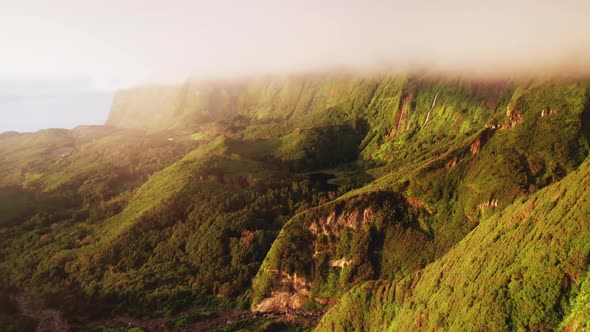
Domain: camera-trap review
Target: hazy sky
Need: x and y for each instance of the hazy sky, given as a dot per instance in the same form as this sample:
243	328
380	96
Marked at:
32	104
122	42
116	43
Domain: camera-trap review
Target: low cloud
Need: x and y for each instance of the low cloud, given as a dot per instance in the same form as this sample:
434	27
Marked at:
119	43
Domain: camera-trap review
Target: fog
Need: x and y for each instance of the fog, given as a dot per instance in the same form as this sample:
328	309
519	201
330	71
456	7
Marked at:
122	43
60	60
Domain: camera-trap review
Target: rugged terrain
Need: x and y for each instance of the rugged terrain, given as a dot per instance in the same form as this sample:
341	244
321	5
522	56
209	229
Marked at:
395	202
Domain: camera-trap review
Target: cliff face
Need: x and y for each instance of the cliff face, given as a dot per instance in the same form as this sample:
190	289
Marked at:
385	106
458	164
187	105
457	151
288	192
523	269
151	107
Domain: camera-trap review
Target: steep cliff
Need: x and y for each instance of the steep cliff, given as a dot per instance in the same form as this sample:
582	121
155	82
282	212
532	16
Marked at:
453	183
526	268
298	193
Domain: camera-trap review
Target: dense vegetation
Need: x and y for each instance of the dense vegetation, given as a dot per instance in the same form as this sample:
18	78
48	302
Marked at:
533	257
392	194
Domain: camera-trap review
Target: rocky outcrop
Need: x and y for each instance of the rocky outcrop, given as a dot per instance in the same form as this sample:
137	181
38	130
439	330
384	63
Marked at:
342	262
281	301
334	222
475	147
492	203
416	202
481	141
452	162
402	116
514	117
291	292
548	112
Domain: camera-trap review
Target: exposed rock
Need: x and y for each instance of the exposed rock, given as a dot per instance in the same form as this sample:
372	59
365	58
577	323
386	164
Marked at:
453	162
333	223
548	112
281	301
481	141
514	117
401	117
247	237
323	300
415	202
475	147
294	293
492	203
342	262
316	253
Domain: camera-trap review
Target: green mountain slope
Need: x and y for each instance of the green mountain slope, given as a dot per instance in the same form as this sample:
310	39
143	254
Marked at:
438	199
523	269
305	192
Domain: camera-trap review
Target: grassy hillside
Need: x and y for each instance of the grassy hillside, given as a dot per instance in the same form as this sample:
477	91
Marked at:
435	200
525	268
306	192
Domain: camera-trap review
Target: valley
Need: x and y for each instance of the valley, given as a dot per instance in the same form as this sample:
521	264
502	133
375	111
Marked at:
328	202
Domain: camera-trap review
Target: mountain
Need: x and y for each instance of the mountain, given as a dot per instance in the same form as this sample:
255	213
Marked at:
533	256
397	202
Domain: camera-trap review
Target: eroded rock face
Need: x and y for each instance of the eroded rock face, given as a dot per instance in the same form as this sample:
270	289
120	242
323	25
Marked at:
548	112
492	203
514	117
402	116
481	141
281	301
475	147
292	293
415	202
342	262
333	223
452	162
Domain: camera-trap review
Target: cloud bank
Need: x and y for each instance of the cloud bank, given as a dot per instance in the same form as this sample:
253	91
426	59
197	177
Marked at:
121	43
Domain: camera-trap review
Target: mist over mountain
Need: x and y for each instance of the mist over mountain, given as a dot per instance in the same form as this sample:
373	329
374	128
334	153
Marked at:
167	41
163	42
331	201
294	166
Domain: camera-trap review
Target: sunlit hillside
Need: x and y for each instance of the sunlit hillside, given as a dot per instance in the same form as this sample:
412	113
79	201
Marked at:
332	201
